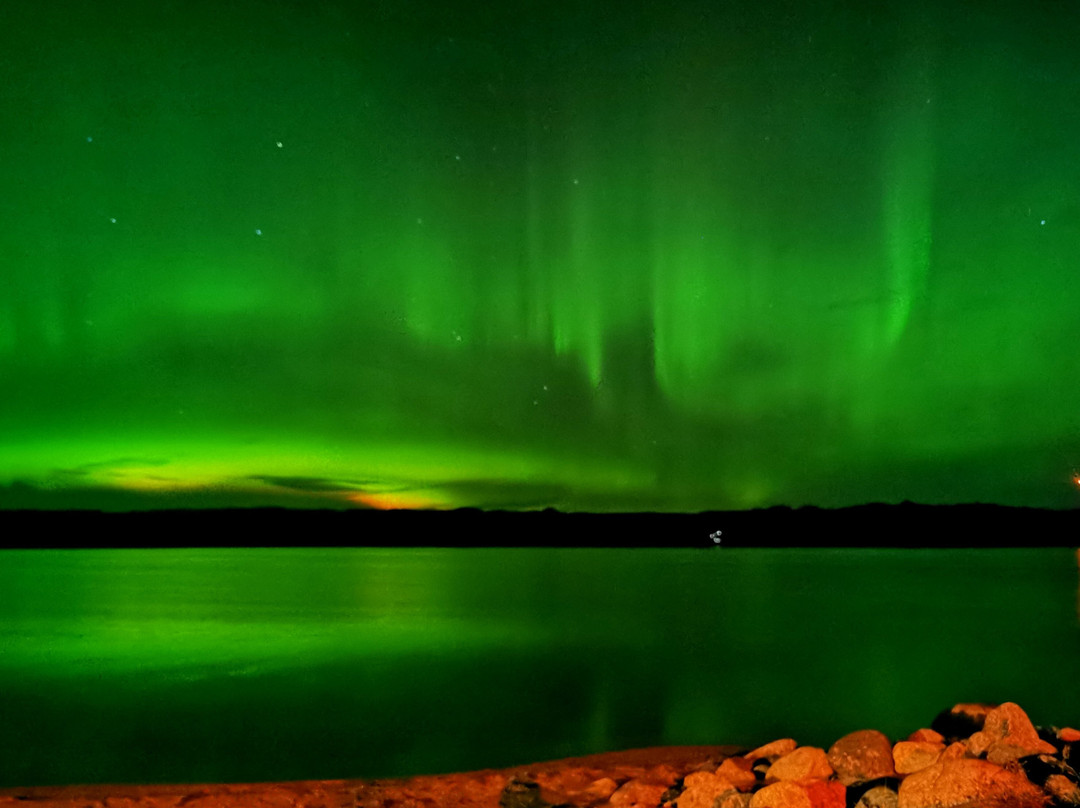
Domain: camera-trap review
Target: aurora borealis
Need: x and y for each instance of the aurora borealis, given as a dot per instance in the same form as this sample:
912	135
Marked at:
588	255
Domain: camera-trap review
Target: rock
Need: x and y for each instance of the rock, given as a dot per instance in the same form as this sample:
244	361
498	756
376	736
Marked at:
878	797
926	735
968	782
977	744
862	756
638	794
825	793
800	794
784	794
800	764
735	800
739	771
772	750
961	721
910	756
574	784
702	788
672	793
1064	790
1008	734
597	791
954	751
1068	734
855	792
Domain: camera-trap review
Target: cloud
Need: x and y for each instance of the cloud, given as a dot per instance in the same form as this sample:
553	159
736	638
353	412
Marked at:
310	484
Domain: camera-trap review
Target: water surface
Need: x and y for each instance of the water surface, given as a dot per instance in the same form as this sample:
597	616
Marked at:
271	664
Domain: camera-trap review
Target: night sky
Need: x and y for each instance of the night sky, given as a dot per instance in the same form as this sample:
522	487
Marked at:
604	256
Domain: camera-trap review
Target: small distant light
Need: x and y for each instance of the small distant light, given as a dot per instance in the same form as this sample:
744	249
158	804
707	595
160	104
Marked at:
258	232
279	144
113	220
89	140
1042	221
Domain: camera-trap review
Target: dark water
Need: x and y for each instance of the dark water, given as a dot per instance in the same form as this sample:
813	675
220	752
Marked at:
267	664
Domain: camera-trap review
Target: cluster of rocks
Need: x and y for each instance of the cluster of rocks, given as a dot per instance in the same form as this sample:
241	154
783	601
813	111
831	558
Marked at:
972	756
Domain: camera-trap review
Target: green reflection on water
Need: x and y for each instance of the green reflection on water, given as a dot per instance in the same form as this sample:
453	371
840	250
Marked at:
267	664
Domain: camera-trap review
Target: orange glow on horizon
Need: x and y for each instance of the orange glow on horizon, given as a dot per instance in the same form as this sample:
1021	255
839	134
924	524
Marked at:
393	501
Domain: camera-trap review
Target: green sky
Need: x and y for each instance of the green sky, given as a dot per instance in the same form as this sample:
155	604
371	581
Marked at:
591	255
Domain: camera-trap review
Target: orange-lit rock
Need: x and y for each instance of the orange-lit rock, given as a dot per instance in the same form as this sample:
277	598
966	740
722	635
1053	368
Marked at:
800	794
739	771
800	764
784	794
955	751
975	711
700	789
967	783
977	744
638	794
1003	752
825	793
735	800
596	791
878	797
772	750
926	735
1068	734
576	785
910	756
1063	789
1010	734
861	756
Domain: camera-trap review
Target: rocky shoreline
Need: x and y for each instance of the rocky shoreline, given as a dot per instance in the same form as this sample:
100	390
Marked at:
971	756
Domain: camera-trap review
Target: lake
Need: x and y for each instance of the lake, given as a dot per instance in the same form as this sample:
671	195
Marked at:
229	664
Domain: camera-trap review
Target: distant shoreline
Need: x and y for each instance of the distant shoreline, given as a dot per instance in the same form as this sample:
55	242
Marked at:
906	525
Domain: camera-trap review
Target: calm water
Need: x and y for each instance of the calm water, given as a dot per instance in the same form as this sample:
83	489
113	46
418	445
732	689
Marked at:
267	664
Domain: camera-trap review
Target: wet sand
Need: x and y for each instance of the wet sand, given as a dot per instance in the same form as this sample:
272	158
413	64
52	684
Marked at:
561	781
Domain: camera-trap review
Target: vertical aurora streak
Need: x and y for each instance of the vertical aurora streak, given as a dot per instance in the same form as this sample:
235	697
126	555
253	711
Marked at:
637	258
908	184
